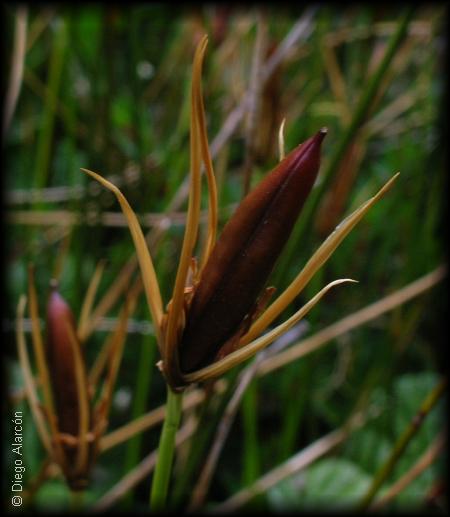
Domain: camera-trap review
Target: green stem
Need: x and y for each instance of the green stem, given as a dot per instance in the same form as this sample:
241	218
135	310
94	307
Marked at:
143	383
166	450
208	420
45	139
251	460
297	376
402	443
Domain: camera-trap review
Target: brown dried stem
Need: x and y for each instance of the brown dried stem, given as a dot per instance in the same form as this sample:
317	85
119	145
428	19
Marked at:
201	488
354	320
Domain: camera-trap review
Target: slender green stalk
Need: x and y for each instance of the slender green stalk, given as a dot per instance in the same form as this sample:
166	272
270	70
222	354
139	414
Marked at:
401	444
56	65
166	451
144	378
209	419
297	377
251	461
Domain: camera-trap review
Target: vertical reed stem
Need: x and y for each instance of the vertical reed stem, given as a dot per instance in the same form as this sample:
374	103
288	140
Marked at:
45	138
251	459
143	384
166	450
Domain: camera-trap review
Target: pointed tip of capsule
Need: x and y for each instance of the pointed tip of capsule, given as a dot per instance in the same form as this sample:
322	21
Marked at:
56	304
54	284
312	145
322	133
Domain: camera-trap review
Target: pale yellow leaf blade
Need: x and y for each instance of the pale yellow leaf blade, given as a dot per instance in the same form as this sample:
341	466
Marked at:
101	361
322	254
116	352
242	354
83	399
114	291
148	273
29	383
199	112
38	346
193	217
88	302
281	151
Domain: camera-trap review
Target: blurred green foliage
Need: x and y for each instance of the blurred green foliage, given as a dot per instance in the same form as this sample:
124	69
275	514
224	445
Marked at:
340	482
107	88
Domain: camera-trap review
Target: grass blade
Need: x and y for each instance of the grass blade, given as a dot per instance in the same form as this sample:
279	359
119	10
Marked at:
88	302
30	388
149	279
313	265
38	344
220	367
192	222
83	398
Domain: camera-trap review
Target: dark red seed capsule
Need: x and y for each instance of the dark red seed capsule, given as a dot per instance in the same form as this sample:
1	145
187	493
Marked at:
245	254
62	363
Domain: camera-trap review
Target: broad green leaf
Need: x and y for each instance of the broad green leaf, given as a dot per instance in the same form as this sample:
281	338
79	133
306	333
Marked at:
368	449
330	483
370	446
52	496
